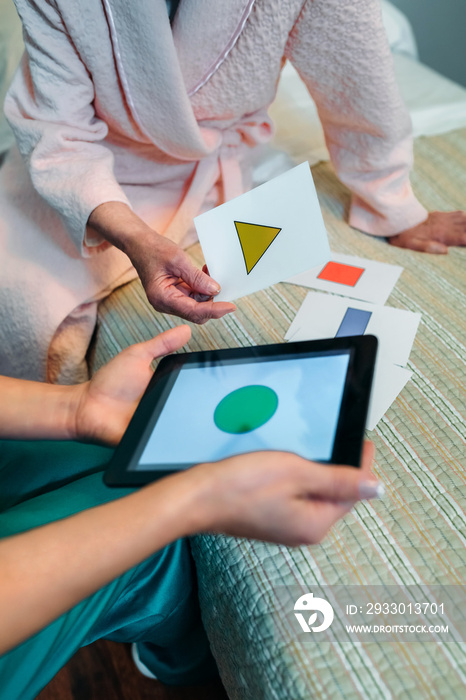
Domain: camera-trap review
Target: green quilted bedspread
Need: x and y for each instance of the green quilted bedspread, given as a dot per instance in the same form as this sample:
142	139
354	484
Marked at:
415	535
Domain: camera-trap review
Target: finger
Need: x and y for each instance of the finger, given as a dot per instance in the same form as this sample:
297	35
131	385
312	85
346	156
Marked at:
422	245
455	238
198	312
187	291
448	227
184	289
313	520
201	297
343	484
208	310
368	454
197	280
454	234
162	344
434	247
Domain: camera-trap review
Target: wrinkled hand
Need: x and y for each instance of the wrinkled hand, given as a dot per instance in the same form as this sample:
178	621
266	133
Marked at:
172	283
434	235
280	497
106	403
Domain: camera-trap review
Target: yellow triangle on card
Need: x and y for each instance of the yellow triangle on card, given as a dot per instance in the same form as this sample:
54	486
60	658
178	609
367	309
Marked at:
254	239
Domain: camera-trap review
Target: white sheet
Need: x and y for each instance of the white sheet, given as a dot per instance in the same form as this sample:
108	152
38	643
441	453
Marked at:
399	30
11	48
435	103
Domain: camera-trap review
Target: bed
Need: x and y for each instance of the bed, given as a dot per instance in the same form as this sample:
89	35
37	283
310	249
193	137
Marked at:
416	534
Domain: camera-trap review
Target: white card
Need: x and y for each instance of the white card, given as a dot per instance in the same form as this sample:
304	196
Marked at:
350	276
389	380
322	315
266	235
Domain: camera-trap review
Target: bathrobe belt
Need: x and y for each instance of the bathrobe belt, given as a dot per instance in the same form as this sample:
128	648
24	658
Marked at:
222	165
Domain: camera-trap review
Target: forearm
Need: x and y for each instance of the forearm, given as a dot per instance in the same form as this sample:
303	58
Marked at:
367	126
119	225
50	106
273	496
47	571
37	411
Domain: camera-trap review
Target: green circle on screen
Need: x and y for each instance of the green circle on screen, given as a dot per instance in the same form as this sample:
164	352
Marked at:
245	409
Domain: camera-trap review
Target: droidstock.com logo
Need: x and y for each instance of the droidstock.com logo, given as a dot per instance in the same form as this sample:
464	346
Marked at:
308	603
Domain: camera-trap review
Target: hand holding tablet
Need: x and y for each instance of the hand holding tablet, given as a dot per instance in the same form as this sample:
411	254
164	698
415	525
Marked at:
308	398
275	496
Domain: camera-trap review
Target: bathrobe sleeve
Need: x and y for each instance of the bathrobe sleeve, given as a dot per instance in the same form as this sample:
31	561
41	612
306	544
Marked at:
50	109
341	52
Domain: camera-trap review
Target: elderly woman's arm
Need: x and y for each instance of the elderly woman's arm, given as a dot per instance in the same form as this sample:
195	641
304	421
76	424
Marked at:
340	50
51	108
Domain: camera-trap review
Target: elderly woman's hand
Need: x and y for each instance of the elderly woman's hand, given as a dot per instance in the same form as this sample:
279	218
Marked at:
172	283
434	235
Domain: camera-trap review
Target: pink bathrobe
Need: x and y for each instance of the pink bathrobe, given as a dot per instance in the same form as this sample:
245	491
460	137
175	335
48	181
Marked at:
111	103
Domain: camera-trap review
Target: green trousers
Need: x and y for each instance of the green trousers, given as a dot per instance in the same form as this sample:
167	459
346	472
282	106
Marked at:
154	604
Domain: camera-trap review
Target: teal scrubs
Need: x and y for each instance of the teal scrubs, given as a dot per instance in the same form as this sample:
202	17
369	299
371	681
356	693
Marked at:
154	604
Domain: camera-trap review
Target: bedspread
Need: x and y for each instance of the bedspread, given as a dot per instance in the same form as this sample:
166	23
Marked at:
415	534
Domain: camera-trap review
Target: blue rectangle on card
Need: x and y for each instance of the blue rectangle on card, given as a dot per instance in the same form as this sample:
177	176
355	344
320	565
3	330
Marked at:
354	323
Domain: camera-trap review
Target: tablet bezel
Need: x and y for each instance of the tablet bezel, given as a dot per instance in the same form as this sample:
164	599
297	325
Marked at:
351	422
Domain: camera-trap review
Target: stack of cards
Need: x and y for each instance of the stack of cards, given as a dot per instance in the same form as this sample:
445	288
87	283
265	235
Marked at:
328	316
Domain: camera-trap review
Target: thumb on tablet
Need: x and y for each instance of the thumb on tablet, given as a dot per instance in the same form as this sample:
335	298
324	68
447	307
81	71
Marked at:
345	484
164	343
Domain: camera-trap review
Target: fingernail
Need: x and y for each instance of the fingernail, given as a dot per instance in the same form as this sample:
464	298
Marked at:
437	248
371	489
213	289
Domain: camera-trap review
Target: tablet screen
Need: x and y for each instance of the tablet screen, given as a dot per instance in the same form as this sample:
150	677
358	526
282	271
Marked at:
231	407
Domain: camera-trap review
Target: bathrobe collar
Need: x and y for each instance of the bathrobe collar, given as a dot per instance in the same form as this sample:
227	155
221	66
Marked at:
158	67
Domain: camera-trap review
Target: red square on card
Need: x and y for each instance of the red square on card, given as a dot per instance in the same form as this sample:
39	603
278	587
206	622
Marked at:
340	273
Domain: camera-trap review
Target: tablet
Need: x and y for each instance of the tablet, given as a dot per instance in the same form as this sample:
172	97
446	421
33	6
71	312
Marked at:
307	397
